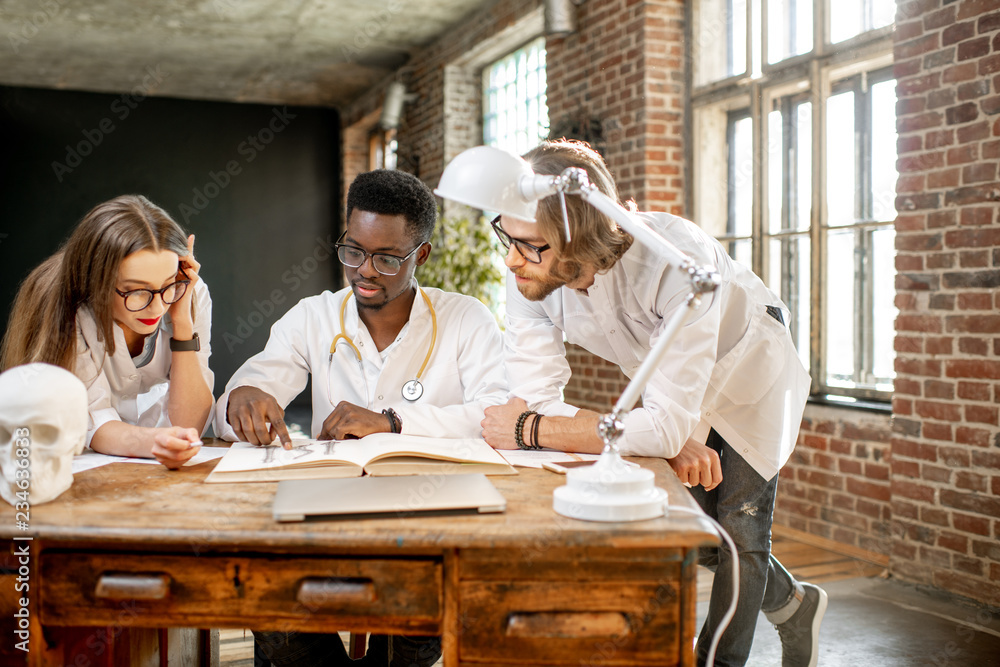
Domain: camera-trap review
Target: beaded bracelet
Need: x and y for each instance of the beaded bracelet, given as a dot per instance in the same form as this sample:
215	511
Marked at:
519	429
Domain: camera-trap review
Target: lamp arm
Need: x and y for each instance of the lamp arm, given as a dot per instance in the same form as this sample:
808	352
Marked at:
704	280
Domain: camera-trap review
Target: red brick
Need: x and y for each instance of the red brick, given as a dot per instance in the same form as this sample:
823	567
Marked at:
974	8
990	105
973	48
934	516
974	132
923	323
922	45
946	218
935	474
974	391
973	323
876	471
911	223
909	105
970	524
974	346
989	65
967	565
815	442
971	502
941	411
991	150
974	369
939	389
849	467
909	469
963	113
958	32
911	490
973	90
940	18
946	178
953	542
939	138
970	481
934	431
957	73
982	415
978	216
913	450
941	97
963	155
976	173
989	22
939	346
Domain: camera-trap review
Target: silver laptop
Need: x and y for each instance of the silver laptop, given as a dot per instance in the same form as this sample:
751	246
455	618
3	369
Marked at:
401	496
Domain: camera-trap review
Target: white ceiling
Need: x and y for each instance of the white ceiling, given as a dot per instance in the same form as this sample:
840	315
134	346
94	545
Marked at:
304	52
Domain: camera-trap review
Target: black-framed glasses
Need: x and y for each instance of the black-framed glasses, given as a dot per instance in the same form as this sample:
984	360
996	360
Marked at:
384	263
531	253
139	299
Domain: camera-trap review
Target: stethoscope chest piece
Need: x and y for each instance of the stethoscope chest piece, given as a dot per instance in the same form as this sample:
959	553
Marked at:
413	390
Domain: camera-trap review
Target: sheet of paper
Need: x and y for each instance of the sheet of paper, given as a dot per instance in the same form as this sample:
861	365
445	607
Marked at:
534	458
91	459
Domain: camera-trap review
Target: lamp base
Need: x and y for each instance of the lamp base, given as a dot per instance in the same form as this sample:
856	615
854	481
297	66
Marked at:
610	490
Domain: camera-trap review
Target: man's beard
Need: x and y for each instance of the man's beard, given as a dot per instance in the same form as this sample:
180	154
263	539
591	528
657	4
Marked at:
542	286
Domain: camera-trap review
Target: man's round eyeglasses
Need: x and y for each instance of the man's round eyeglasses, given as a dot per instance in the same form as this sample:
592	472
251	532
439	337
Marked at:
531	253
139	299
384	263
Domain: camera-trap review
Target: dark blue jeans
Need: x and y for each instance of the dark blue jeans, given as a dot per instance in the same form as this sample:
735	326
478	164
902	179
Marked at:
744	505
307	649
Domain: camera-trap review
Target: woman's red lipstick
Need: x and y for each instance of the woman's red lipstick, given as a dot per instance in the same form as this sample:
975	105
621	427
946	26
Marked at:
149	323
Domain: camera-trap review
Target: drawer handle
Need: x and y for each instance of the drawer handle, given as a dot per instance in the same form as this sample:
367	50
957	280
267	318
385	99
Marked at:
133	586
321	593
568	625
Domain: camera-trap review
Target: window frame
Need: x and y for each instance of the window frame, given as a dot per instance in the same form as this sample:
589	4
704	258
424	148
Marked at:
808	76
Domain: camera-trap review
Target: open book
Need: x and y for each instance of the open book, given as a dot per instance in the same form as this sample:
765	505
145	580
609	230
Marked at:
381	454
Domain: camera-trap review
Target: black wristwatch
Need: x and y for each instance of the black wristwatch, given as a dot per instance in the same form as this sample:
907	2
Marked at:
192	345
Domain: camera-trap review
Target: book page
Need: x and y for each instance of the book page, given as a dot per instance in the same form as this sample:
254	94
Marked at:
243	456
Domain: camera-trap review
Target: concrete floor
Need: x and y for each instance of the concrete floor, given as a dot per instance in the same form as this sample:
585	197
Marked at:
884	623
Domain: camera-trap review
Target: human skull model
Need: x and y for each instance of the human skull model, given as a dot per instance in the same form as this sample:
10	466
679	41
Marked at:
43	424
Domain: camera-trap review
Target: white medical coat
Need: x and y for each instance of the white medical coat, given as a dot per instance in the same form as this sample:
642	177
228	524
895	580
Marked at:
464	375
117	389
732	367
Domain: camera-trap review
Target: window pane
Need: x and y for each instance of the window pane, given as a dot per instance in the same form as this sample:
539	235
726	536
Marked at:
802	205
515	115
789	29
720	44
885	311
788	277
841	177
741	178
741	250
776	150
853	17
841	309
884	173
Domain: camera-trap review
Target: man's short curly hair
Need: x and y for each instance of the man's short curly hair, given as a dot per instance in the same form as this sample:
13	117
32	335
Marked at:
391	192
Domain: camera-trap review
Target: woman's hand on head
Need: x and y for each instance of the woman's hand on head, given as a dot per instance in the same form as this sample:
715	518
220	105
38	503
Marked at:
175	445
180	311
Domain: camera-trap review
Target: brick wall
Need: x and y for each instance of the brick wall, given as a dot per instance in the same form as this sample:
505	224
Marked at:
945	471
624	70
836	483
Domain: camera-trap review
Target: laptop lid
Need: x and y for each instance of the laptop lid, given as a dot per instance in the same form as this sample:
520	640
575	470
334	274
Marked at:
297	499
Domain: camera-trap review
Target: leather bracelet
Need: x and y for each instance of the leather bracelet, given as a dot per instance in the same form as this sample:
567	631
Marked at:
519	429
395	423
534	432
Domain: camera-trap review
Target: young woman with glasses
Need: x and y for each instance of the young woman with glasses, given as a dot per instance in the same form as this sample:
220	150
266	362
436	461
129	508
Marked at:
122	307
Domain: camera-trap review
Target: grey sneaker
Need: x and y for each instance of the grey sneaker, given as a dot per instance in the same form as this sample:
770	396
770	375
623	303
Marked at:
800	633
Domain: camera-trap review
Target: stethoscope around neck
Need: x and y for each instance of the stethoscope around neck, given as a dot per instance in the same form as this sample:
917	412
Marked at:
413	389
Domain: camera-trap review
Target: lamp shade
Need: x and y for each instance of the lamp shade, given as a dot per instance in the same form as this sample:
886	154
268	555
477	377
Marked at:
490	179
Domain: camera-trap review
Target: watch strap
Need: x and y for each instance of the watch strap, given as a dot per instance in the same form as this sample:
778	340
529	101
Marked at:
193	345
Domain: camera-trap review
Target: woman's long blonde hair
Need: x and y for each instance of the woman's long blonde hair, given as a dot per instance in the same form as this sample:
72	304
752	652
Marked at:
596	240
42	324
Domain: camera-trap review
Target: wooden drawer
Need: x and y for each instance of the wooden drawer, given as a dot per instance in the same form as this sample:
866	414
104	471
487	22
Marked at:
311	594
570	623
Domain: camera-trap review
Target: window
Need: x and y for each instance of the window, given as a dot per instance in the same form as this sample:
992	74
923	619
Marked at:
796	113
515	115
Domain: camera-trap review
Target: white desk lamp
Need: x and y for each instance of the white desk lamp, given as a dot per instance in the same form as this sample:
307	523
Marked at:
494	180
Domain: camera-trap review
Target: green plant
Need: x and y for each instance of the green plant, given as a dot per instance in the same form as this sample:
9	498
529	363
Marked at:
464	259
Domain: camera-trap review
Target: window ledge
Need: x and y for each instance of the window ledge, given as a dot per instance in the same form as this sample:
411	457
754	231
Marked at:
850	403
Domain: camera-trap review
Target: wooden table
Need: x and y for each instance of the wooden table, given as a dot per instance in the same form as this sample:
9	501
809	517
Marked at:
138	546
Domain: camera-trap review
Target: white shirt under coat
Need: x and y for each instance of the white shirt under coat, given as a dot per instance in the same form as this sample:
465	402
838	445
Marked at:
732	367
464	375
134	390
